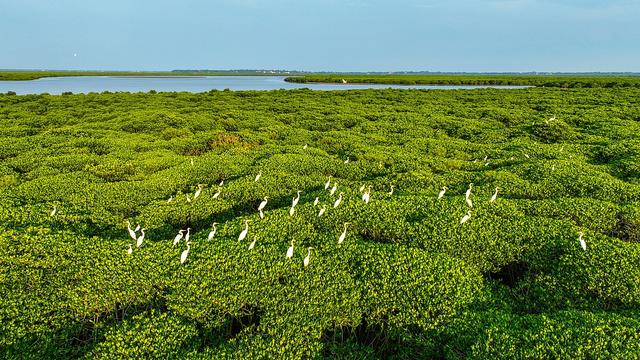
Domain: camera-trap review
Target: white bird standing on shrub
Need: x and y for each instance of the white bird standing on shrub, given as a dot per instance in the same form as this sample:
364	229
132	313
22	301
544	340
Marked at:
170	199
140	238
335	204
583	244
290	251
305	146
258	176
212	233
316	201
188	198
262	206
328	183
130	251
217	193
391	191
344	234
495	196
244	232
367	195
185	253
296	199
306	258
221	183
54	211
466	218
178	237
253	243
441	194
347	160
333	189
132	233
468	192
322	210
198	192
186	237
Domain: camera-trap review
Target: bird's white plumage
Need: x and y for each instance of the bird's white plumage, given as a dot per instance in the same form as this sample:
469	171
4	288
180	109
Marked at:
466	218
337	202
243	233
178	237
290	251
212	233
140	238
322	210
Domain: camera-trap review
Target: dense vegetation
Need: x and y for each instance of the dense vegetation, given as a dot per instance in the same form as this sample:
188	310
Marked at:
31	75
562	81
409	281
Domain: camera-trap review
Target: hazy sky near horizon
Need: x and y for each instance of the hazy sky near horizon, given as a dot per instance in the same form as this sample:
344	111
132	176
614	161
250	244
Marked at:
322	35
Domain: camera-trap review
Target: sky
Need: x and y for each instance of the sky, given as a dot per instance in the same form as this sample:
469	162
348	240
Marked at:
322	35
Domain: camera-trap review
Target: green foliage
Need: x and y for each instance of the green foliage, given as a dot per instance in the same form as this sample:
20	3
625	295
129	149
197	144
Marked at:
409	281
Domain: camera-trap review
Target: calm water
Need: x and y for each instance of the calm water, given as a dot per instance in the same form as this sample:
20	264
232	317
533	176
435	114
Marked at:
86	84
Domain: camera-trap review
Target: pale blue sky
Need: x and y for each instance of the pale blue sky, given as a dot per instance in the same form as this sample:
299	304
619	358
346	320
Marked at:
317	35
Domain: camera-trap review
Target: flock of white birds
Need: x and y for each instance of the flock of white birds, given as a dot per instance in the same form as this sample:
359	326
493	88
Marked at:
366	197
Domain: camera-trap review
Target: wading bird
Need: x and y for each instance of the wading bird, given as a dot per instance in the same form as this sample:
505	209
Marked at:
212	233
221	183
391	191
316	201
131	232
306	258
198	192
54	211
344	233
335	204
170	199
140	238
188	199
468	192
583	244
292	210
333	189
137	228
186	237
258	176
295	200
362	188
469	202
305	146
367	195
466	218
322	210
261	207
290	251
130	250
217	193
347	160
253	243
328	183
244	232
178	237
495	196
185	253
526	155
441	194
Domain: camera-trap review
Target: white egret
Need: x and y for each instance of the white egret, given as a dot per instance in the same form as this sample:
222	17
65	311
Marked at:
131	232
347	160
178	237
526	155
333	189
335	204
306	258
391	191
140	238
212	233
362	188
468	192
170	199
290	251
292	210
328	183
295	200
365	196
466	217
54	211
305	146
258	176
344	81
316	201
217	193
583	244
441	194
137	228
322	210
188	199
344	233
244	232
130	250
185	253
198	192
263	203
253	243
553	167
495	196
186	237
469	202
486	164
221	182
485	158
